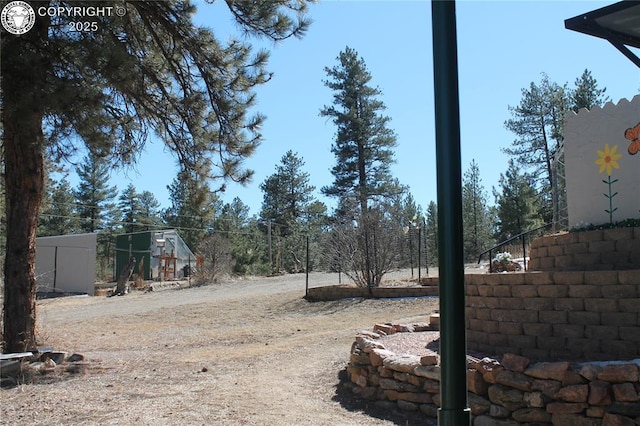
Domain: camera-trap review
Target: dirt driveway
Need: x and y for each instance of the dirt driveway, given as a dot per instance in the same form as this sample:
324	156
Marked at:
250	352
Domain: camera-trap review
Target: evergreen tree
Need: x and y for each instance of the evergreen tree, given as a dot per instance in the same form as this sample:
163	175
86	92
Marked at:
130	207
247	244
287	194
476	220
193	208
150	70
149	215
58	215
517	205
364	144
364	152
431	232
94	197
288	197
538	123
586	93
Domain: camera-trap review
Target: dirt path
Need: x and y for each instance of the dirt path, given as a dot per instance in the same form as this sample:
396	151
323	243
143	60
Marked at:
250	352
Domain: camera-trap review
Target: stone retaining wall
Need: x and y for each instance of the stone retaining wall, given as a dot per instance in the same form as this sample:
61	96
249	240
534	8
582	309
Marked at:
324	294
608	249
590	315
510	392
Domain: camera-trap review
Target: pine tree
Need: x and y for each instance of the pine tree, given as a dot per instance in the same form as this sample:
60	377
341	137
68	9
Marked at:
149	215
58	216
287	194
247	244
130	207
538	123
151	70
364	153
287	199
193	208
517	204
476	222
431	232
364	144
586	93
94	197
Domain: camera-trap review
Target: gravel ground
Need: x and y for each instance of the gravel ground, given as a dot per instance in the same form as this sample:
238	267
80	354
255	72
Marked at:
245	352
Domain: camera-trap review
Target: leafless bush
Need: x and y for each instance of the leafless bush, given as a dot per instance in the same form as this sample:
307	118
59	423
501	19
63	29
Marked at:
216	259
366	250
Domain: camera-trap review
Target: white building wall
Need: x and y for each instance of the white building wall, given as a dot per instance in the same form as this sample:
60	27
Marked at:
66	263
586	133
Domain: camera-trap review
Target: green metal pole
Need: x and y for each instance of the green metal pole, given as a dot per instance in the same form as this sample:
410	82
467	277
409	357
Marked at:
454	409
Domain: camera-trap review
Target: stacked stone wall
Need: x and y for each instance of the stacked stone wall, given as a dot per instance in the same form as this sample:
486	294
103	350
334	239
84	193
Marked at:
608	249
508	392
324	294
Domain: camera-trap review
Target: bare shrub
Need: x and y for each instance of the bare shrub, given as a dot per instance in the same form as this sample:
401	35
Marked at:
216	259
365	251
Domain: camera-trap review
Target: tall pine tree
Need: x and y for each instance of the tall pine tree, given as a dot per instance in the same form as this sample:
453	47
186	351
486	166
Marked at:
476	220
364	153
517	204
94	197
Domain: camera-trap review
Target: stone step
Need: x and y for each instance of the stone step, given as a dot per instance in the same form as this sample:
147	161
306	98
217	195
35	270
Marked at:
434	321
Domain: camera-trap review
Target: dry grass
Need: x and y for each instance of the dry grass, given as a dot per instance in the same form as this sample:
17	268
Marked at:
243	355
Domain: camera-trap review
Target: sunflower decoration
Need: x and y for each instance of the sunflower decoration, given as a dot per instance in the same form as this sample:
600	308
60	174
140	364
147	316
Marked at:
608	160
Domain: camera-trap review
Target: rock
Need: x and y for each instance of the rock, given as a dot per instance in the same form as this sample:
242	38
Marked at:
489	421
377	356
531	415
599	393
566	407
534	399
590	371
384	328
547	387
625	392
475	382
548	370
507	397
619	373
397	386
478	404
514	380
617	420
489	368
499	411
628	409
402	363
431	359
515	363
75	358
367	344
428	371
575	393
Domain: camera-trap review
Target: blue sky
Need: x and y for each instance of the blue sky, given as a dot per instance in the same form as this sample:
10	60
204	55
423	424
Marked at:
502	47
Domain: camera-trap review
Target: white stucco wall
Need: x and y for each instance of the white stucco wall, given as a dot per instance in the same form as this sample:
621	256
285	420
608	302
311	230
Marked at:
586	133
72	269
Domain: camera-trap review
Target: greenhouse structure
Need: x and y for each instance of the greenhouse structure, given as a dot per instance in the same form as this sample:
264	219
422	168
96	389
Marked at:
164	254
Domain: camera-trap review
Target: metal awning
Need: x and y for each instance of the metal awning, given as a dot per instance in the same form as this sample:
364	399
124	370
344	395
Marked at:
618	23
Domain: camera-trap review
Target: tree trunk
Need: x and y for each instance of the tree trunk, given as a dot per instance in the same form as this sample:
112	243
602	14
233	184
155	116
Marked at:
24	180
23	143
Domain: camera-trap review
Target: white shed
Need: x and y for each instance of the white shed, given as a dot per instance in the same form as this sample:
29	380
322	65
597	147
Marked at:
66	263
